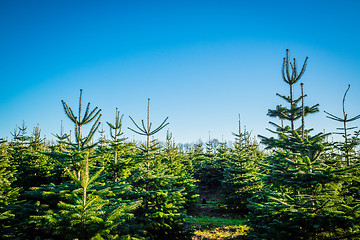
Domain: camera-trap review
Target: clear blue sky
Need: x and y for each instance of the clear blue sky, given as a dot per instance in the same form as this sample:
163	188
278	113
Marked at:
201	62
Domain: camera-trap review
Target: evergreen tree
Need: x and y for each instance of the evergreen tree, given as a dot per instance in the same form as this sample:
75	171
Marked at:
83	207
162	214
8	193
122	161
348	156
32	169
181	167
90	210
82	142
241	175
146	130
347	148
212	163
301	188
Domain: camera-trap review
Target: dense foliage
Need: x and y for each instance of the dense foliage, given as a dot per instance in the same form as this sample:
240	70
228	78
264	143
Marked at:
299	187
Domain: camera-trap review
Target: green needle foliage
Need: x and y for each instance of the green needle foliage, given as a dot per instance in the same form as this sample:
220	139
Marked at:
146	130
162	214
122	161
242	173
299	187
151	146
89	115
164	191
348	156
84	207
291	76
8	193
116	134
348	147
31	169
81	143
301	197
90	210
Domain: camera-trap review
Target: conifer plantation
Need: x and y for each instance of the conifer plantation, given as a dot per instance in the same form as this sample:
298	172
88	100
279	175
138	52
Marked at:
292	184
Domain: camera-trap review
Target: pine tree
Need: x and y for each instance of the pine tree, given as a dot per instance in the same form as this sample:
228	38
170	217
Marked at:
82	142
348	147
181	167
146	130
31	169
301	188
162	214
122	161
241	175
84	206
88	209
8	193
348	156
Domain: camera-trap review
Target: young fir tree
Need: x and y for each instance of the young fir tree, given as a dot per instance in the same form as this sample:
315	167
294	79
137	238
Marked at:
88	210
209	167
8	193
121	150
347	148
348	156
85	207
301	197
146	130
59	152
32	169
36	168
82	142
162	214
197	156
181	167
241	175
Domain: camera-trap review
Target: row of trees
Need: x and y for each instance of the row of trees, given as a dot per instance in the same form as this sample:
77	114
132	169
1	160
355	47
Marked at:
109	188
300	186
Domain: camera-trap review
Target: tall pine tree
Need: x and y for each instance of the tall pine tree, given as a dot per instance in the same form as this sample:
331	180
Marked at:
302	186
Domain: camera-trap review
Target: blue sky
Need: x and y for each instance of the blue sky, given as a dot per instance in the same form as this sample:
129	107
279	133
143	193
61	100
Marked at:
201	62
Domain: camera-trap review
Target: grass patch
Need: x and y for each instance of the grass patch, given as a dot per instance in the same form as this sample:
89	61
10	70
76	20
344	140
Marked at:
218	228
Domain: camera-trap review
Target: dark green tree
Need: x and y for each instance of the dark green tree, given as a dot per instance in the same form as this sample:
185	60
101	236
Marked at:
84	205
8	193
121	150
90	210
242	173
146	130
164	193
347	148
301	197
348	156
82	142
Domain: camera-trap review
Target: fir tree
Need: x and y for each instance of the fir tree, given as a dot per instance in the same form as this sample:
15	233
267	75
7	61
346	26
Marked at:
83	207
146	130
121	163
301	188
81	142
348	156
348	147
8	193
241	175
162	214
